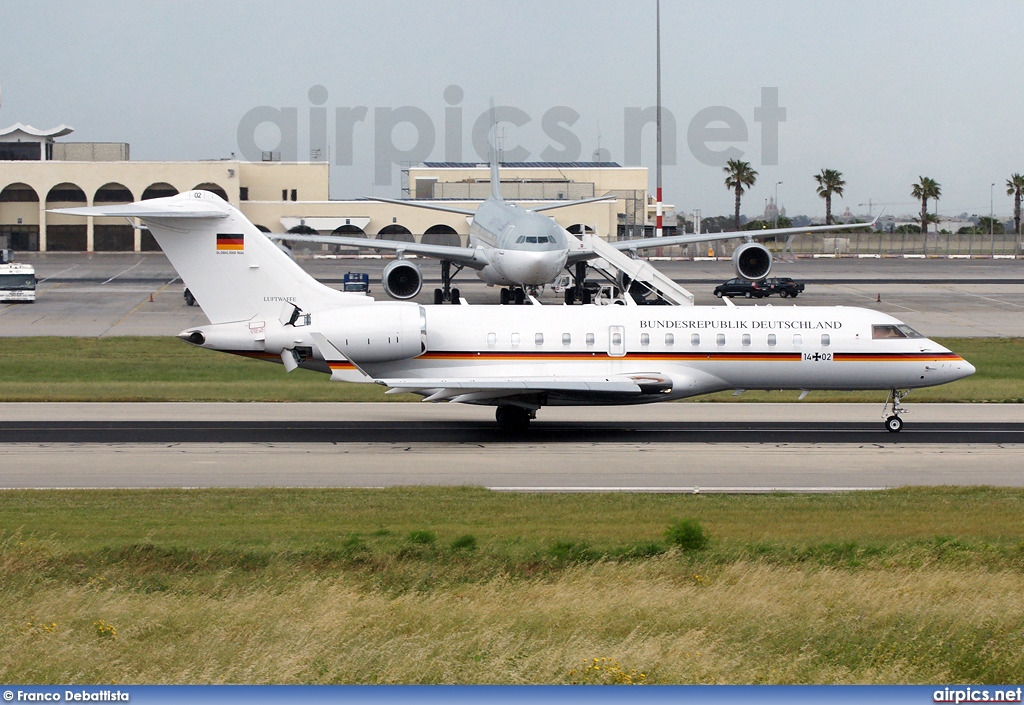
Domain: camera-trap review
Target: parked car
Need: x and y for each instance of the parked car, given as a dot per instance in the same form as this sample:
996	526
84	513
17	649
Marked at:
739	287
783	286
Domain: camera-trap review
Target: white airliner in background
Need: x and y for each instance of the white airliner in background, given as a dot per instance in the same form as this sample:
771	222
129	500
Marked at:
519	248
519	358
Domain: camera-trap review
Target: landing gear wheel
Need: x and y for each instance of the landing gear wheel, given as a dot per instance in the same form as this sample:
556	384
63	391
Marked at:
456	297
512	419
891	410
520	297
189	299
570	295
894	424
438	296
586	296
504	297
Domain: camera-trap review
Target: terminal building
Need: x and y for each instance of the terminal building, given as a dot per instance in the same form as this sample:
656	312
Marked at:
38	173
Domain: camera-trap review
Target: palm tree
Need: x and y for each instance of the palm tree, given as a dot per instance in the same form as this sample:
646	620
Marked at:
1015	188
924	189
739	176
829	181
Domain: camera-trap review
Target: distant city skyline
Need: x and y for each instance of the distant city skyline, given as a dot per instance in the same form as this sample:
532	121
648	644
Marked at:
882	93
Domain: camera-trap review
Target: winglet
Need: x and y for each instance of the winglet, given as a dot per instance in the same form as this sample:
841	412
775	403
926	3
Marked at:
495	177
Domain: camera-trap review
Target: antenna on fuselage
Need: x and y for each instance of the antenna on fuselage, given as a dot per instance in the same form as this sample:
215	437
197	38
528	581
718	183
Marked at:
495	176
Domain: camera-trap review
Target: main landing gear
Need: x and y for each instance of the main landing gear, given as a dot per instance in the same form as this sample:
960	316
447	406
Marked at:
892	410
514	419
578	292
446	292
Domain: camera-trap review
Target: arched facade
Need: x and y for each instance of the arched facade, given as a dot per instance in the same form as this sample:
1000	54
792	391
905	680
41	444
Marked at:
112	234
19	216
441	235
395	232
67	234
580	228
212	188
158	190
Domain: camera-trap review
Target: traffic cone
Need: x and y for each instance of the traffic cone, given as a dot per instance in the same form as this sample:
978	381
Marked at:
150	298
878	300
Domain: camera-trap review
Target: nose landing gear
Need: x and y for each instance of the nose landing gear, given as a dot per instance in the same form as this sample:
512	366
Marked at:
892	409
513	419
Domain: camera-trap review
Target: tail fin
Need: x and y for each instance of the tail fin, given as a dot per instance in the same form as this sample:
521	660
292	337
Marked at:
495	176
232	269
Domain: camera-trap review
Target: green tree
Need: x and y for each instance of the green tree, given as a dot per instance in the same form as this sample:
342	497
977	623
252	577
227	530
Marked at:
924	189
988	225
739	177
830	182
1015	188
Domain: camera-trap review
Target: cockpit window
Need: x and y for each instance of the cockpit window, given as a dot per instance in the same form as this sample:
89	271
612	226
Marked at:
531	239
895	331
521	239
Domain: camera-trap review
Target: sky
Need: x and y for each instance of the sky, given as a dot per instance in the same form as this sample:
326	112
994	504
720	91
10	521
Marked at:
883	92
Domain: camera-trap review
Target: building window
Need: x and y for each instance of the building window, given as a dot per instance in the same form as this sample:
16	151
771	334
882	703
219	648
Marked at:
670	339
295	194
243	193
284	194
645	338
695	339
771	339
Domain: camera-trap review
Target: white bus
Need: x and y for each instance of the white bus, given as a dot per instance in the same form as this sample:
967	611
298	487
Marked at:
17	282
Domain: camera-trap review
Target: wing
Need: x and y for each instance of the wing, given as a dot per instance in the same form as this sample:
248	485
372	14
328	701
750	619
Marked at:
427	205
472	257
482	389
648	242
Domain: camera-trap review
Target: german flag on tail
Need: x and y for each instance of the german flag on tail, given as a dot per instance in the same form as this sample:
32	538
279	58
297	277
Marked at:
230	243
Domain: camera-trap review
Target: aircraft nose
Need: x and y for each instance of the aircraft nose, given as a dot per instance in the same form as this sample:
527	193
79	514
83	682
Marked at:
965	369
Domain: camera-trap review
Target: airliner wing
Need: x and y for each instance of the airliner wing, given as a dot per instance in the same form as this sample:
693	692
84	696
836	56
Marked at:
471	257
648	242
483	388
567	204
428	205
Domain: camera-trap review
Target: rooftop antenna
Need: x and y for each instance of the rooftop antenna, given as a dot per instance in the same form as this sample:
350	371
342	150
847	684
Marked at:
658	231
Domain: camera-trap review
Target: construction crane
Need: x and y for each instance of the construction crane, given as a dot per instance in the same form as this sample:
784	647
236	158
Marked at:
870	204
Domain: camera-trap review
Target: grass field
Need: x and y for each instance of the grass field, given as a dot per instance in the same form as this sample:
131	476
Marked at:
462	585
166	369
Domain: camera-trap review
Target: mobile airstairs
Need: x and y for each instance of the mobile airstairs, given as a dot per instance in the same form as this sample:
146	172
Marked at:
634	275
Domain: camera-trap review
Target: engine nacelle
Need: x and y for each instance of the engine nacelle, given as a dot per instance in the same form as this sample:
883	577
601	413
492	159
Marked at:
382	332
402	280
752	260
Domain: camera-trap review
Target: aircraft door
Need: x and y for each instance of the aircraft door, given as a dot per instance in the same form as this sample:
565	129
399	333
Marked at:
616	341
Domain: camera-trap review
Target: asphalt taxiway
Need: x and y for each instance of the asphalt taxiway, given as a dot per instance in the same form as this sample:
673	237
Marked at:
670	447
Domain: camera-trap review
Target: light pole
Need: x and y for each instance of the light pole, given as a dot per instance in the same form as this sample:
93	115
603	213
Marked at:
777	183
991	210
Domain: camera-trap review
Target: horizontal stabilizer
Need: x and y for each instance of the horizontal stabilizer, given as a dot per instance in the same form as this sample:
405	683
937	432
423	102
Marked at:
150	209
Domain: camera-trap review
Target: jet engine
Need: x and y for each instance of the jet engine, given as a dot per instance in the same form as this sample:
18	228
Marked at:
752	260
402	280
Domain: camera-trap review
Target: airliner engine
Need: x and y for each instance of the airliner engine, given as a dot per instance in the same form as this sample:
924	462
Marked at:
402	280
752	260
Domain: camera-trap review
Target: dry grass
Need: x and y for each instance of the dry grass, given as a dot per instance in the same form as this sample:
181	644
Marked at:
741	623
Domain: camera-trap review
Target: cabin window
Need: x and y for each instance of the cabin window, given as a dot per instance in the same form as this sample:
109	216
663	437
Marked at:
590	338
798	339
771	339
825	340
720	339
616	339
492	339
515	339
645	338
745	340
538	338
695	339
670	339
566	339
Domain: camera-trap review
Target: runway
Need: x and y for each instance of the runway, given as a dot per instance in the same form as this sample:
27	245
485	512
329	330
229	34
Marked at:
664	448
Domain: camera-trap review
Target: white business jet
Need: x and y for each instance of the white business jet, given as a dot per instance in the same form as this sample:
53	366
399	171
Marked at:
519	358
